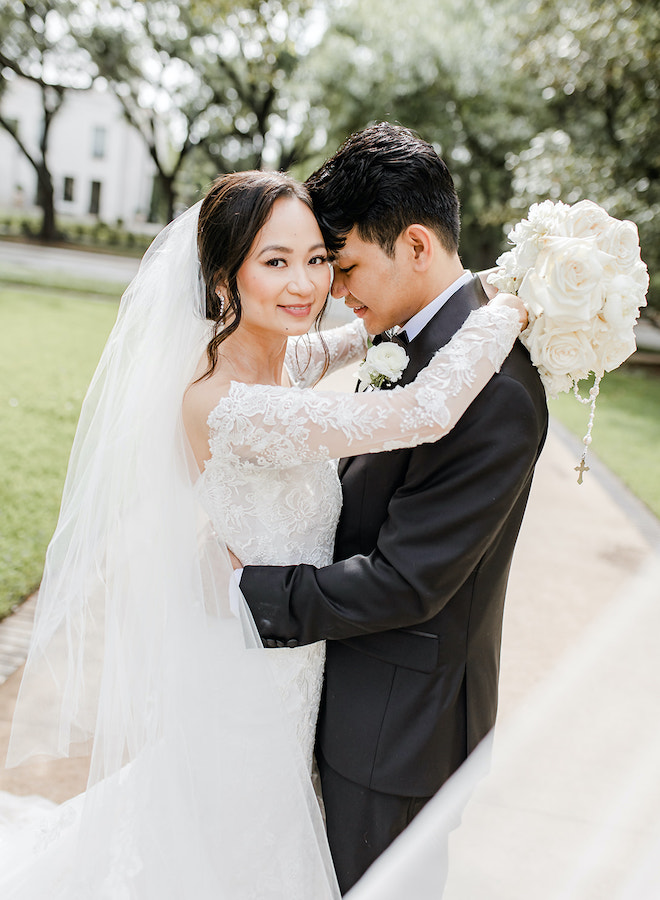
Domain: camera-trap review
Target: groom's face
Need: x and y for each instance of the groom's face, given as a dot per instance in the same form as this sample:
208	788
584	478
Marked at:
377	287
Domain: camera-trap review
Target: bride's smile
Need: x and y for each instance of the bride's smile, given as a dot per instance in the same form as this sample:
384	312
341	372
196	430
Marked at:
285	279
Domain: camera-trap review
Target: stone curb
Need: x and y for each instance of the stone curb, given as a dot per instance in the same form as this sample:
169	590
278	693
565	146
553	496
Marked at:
15	633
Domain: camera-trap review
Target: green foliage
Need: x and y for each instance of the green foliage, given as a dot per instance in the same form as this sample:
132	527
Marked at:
626	428
525	100
596	66
49	346
441	70
196	73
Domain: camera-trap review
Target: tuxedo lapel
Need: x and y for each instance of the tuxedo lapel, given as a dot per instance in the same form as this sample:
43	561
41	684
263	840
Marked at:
442	327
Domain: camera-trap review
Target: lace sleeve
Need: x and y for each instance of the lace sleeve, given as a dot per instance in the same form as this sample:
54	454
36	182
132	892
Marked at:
305	356
273	426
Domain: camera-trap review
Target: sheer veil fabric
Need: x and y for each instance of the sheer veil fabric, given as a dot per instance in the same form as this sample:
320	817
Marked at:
197	785
136	658
564	802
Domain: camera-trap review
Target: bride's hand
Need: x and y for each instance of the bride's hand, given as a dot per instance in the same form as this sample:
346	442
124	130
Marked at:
235	561
502	298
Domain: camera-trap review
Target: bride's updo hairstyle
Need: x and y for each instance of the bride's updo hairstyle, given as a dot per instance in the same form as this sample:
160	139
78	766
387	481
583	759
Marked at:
231	216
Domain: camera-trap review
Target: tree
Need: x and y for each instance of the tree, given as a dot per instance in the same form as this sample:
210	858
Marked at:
201	75
434	70
35	44
525	99
596	64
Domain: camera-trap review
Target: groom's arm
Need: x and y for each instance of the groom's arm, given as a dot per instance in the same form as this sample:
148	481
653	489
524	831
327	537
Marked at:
456	496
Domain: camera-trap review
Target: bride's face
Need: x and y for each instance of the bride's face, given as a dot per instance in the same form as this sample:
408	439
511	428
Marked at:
285	278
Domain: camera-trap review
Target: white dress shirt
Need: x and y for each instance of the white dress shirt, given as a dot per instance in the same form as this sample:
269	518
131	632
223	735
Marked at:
413	326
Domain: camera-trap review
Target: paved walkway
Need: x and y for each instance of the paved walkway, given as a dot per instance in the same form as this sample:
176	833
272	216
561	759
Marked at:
81	263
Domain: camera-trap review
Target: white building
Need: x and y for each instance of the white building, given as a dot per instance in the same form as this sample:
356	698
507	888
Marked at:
100	165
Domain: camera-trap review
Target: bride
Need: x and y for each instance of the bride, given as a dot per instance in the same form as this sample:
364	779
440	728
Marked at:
199	433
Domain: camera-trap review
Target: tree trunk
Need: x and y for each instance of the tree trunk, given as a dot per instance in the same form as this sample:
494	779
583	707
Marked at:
52	98
169	194
46	200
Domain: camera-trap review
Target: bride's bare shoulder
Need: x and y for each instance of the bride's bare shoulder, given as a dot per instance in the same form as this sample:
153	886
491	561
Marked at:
200	399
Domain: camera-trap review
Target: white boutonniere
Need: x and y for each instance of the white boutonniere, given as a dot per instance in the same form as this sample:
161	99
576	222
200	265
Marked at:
383	365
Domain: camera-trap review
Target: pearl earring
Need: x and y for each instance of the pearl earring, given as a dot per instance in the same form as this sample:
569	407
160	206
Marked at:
222	304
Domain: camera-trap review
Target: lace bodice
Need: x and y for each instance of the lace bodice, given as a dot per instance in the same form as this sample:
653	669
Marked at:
280	516
271	485
277	514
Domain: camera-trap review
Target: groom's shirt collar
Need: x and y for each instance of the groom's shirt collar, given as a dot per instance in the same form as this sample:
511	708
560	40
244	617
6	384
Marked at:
419	321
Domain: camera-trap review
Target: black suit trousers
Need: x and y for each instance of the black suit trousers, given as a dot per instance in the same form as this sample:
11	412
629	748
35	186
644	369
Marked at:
362	823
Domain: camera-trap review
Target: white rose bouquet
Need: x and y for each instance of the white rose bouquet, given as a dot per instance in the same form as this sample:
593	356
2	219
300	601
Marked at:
580	275
384	364
581	278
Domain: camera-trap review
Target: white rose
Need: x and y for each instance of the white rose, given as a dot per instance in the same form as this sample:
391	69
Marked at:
587	219
504	282
388	359
640	275
613	344
525	255
566	353
384	362
567	281
555	384
621	240
623	297
548	217
522	231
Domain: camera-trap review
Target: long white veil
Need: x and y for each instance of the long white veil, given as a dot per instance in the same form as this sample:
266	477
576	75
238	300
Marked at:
197	785
565	802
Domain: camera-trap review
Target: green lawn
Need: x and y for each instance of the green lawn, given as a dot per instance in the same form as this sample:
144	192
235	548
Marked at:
626	433
50	342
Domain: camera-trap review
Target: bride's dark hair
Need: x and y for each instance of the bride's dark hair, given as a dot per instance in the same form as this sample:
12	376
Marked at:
231	216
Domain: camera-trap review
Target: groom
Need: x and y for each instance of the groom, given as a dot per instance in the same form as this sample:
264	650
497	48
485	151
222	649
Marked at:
412	606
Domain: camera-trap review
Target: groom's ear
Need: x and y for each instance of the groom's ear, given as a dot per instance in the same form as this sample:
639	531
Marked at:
419	246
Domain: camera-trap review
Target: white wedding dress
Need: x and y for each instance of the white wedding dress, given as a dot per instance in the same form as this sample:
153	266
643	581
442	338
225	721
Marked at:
204	805
281	514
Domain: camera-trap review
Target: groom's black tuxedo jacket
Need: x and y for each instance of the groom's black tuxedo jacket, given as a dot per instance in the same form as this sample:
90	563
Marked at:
413	605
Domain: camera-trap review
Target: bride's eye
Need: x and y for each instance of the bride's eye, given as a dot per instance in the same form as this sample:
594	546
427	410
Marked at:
276	263
318	260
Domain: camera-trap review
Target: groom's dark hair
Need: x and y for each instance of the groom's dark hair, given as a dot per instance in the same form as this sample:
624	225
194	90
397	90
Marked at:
380	181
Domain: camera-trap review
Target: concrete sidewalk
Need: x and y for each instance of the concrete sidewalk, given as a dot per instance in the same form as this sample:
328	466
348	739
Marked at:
68	261
579	547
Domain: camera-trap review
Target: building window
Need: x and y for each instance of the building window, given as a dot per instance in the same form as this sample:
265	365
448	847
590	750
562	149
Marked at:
98	142
95	198
67	190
